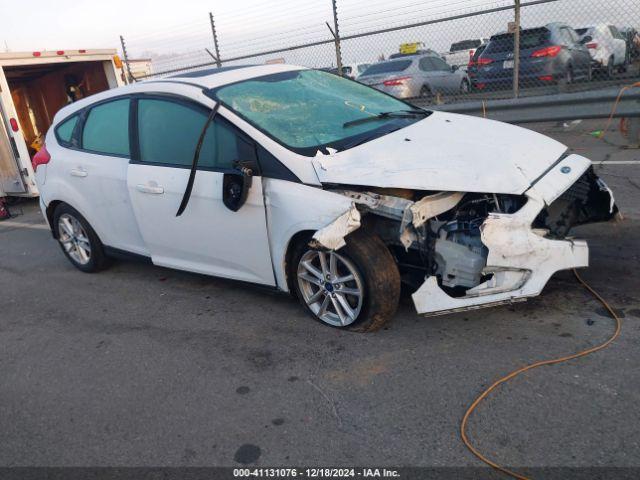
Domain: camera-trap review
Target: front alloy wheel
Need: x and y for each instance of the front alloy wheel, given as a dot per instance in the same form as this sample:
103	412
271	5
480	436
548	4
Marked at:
331	287
357	288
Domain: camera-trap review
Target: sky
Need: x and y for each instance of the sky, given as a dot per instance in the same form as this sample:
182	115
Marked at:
175	34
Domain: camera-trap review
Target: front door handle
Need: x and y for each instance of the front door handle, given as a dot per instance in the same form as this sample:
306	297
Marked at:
78	172
152	189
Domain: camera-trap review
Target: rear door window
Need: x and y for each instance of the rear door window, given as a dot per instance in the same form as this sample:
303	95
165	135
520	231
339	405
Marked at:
426	65
440	64
106	128
169	131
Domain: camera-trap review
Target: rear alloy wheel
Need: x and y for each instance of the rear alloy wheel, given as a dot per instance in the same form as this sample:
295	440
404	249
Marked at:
464	87
77	239
356	288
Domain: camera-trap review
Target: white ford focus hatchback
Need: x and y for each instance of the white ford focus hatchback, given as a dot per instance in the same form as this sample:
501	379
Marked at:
319	186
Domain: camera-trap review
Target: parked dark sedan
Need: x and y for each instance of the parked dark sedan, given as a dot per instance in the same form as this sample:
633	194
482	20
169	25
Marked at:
549	54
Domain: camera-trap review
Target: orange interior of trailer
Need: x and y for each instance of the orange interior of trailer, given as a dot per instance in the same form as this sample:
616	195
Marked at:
39	91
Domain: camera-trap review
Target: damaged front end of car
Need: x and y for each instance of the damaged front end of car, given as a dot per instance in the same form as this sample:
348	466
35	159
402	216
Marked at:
463	250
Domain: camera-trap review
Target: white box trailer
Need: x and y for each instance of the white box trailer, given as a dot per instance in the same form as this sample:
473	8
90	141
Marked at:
33	87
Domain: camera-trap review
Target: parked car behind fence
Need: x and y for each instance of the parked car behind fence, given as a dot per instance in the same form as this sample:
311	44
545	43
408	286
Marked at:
548	55
607	46
416	76
461	52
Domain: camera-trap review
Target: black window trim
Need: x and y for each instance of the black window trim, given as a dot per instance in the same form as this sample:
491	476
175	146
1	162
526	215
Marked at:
76	137
72	141
194	105
134	154
84	114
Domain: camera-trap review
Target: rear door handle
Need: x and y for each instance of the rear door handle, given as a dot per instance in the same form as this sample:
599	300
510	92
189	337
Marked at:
153	190
78	172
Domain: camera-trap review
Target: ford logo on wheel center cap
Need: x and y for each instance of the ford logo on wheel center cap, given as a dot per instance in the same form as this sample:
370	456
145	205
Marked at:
565	169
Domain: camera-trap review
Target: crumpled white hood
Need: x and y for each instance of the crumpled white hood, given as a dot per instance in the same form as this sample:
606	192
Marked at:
446	152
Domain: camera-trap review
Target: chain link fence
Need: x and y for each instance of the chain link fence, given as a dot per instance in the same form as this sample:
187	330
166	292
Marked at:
430	51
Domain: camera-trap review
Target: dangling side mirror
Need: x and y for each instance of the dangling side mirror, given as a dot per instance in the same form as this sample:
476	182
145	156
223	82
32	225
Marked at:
236	186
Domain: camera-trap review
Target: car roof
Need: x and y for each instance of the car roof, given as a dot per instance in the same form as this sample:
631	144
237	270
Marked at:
216	77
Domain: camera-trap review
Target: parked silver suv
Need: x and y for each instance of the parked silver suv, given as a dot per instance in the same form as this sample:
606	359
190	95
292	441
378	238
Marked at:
416	76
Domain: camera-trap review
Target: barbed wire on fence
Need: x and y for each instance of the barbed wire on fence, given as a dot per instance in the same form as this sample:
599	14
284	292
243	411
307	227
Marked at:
465	34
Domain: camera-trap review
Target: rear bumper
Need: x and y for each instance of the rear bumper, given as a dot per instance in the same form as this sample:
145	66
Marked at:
521	258
530	71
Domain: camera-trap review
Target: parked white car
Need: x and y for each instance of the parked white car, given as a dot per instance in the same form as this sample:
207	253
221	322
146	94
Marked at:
607	46
316	185
354	70
460	53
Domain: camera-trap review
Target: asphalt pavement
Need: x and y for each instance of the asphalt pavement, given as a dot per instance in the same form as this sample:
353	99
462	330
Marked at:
145	366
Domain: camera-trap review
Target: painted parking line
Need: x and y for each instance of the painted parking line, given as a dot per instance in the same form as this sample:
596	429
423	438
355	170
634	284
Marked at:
617	162
14	224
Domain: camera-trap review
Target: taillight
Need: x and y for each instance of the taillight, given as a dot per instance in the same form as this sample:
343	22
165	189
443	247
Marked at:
546	78
480	86
592	45
14	124
547	52
395	81
40	158
484	61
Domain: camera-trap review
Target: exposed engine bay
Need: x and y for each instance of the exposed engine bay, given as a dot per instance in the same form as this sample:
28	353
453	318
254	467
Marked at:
439	236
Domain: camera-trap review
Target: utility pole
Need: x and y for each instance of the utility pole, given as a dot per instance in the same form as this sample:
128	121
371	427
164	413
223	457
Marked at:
215	41
336	36
516	51
126	59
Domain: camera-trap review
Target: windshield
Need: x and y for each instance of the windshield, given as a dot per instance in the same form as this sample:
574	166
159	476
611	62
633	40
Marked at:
307	109
387	67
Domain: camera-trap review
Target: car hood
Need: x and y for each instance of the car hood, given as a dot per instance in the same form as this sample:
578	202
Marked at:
446	152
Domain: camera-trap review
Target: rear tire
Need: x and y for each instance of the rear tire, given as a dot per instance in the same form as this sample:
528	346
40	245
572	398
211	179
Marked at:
464	87
78	241
375	277
426	95
611	69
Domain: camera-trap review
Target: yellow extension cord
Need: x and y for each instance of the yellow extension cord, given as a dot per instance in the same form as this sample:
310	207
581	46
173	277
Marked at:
515	373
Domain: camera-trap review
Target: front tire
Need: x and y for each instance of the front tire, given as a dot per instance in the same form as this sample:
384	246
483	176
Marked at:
79	242
356	288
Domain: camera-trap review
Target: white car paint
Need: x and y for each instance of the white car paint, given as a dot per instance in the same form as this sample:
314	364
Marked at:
446	151
606	46
514	247
134	208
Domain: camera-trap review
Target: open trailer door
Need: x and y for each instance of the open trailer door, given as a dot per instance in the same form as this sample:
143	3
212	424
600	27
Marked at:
11	182
33	87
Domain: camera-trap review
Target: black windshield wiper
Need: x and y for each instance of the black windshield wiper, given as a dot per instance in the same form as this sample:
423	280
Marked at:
383	115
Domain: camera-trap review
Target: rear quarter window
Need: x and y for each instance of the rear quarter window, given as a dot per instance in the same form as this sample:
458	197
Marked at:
64	131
